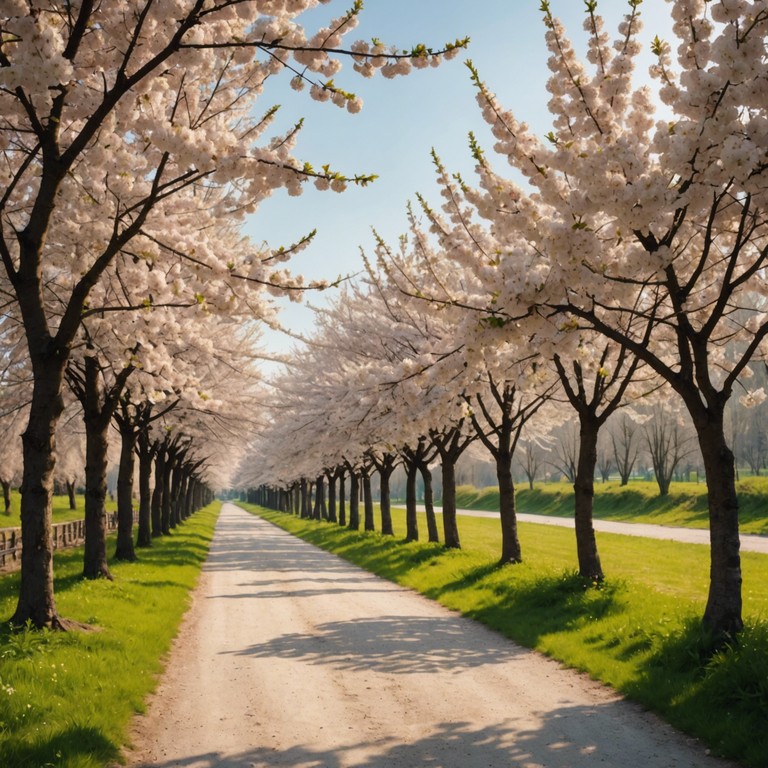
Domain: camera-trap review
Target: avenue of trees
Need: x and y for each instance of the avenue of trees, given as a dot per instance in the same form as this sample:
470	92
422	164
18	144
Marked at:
132	146
620	268
617	269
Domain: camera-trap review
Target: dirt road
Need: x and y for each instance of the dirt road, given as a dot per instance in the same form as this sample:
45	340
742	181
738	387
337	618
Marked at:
290	656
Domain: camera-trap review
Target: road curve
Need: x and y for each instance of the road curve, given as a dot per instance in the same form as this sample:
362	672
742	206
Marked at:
289	656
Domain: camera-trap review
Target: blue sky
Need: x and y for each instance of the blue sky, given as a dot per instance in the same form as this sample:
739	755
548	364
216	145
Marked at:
404	118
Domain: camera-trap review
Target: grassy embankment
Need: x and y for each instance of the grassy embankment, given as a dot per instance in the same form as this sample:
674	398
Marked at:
638	633
638	502
67	699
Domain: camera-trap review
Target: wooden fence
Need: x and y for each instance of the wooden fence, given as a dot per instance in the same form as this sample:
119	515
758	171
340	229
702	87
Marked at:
63	534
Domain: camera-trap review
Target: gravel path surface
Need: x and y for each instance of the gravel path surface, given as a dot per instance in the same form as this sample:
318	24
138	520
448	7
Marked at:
290	656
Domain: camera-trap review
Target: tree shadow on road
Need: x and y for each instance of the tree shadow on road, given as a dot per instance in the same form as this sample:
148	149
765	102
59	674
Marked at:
568	737
392	644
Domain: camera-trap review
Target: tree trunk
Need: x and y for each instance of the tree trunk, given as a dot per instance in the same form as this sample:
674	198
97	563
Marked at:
354	501
97	418
189	497
157	493
146	455
124	549
722	615
385	504
181	508
369	524
331	498
71	495
510	543
584	496
6	496
317	511
165	507
36	601
429	504
342	499
176	475
304	499
411	519
450	524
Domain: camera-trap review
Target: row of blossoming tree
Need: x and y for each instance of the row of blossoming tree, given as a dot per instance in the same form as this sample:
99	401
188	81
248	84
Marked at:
625	258
131	150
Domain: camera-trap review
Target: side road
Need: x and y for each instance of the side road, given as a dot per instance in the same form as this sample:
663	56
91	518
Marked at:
289	656
749	543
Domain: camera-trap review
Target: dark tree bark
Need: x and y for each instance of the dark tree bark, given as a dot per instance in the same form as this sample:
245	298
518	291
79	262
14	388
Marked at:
189	495
450	522
165	480
71	494
722	615
450	445
584	497
135	419
181	510
317	511
385	465
95	547
146	450
36	601
124	549
176	480
511	551
331	478
593	404
354	500
304	490
417	460
341	474
157	491
429	504
321	494
297	499
504	416
6	496
411	518
368	522
99	403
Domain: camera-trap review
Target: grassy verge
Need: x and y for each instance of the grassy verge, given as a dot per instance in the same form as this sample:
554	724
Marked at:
638	502
67	699
639	633
61	511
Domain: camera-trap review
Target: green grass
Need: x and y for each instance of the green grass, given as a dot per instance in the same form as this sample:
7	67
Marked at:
61	511
638	502
67	699
639	633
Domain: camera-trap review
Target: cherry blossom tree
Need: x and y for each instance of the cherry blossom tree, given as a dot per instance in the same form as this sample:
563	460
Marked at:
121	125
648	225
